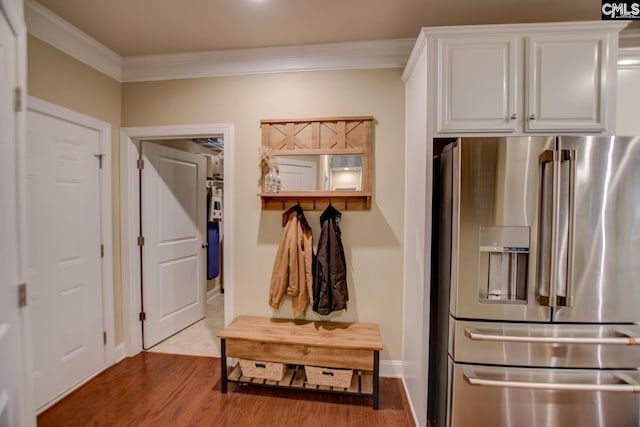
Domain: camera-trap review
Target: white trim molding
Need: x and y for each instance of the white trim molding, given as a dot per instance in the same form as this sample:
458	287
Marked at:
630	38
212	293
119	353
104	132
391	53
391	368
50	28
320	57
130	217
629	58
411	407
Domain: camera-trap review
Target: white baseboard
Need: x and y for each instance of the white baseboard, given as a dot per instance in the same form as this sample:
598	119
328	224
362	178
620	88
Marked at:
211	294
391	368
413	410
118	353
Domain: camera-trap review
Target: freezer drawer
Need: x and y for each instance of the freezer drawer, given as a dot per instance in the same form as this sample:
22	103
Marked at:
545	345
522	397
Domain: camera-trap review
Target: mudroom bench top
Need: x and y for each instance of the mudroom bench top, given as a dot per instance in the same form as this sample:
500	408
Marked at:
364	336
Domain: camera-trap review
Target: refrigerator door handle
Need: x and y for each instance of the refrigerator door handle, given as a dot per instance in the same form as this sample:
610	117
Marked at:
629	384
553	157
617	336
570	156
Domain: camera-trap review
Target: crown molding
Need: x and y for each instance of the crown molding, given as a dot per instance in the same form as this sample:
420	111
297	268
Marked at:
335	56
418	47
524	28
630	38
50	28
629	58
392	53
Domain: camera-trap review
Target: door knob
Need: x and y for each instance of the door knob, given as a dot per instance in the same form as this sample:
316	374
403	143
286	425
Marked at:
532	117
205	245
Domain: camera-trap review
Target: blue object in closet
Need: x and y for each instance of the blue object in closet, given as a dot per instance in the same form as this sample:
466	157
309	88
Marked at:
213	249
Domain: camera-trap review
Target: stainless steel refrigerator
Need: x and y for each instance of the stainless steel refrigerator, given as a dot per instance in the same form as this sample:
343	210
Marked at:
536	299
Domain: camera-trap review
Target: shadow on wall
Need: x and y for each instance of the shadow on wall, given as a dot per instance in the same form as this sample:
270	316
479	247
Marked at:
360	229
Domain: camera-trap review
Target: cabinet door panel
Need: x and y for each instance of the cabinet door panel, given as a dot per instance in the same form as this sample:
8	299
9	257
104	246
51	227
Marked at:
478	84
565	75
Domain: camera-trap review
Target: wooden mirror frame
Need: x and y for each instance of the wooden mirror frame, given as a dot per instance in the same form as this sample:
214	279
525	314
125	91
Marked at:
333	135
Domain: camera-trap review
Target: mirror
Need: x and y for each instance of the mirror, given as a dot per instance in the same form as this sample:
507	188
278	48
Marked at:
317	162
321	172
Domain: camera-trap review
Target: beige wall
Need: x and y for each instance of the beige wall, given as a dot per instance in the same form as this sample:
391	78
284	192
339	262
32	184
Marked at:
372	239
57	78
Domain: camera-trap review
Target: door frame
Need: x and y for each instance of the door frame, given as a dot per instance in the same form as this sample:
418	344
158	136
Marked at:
106	221
25	413
130	214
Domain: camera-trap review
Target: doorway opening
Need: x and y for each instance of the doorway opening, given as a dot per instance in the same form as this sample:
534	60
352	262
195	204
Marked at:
182	197
219	295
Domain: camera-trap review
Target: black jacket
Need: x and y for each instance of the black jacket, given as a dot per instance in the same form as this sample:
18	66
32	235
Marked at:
330	268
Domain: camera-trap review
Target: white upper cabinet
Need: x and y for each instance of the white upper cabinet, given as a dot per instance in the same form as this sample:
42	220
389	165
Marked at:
566	79
525	78
478	83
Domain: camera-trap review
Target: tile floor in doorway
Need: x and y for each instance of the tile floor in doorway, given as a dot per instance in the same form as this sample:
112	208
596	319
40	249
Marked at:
198	339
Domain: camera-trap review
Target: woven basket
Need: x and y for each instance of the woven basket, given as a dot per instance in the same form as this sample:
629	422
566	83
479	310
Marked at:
328	376
268	370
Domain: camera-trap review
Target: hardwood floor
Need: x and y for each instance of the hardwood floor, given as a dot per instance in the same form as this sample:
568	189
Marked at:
154	389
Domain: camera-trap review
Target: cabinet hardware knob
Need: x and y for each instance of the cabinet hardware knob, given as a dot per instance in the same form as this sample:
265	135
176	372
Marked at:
532	117
205	245
513	116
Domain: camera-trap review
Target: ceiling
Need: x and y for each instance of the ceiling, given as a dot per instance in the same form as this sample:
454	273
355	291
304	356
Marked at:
146	27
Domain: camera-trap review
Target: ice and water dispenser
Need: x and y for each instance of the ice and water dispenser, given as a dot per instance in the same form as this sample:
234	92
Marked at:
504	259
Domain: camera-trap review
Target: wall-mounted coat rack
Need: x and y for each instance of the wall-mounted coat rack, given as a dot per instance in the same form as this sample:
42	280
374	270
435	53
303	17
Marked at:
319	161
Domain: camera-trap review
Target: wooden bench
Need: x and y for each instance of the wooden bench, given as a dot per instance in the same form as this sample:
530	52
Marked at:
298	343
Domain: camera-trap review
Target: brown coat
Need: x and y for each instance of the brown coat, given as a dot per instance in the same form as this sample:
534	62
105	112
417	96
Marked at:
292	274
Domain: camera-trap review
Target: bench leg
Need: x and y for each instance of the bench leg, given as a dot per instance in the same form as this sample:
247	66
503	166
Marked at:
223	366
376	379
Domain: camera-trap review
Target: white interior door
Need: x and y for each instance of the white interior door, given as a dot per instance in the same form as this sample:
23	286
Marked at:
173	211
64	254
298	174
13	411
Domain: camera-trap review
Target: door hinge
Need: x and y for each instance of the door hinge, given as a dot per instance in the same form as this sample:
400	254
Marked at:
104	337
17	103
140	164
142	316
99	156
22	295
101	251
140	240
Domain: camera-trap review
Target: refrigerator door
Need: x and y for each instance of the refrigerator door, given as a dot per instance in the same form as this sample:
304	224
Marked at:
494	230
599	230
529	397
